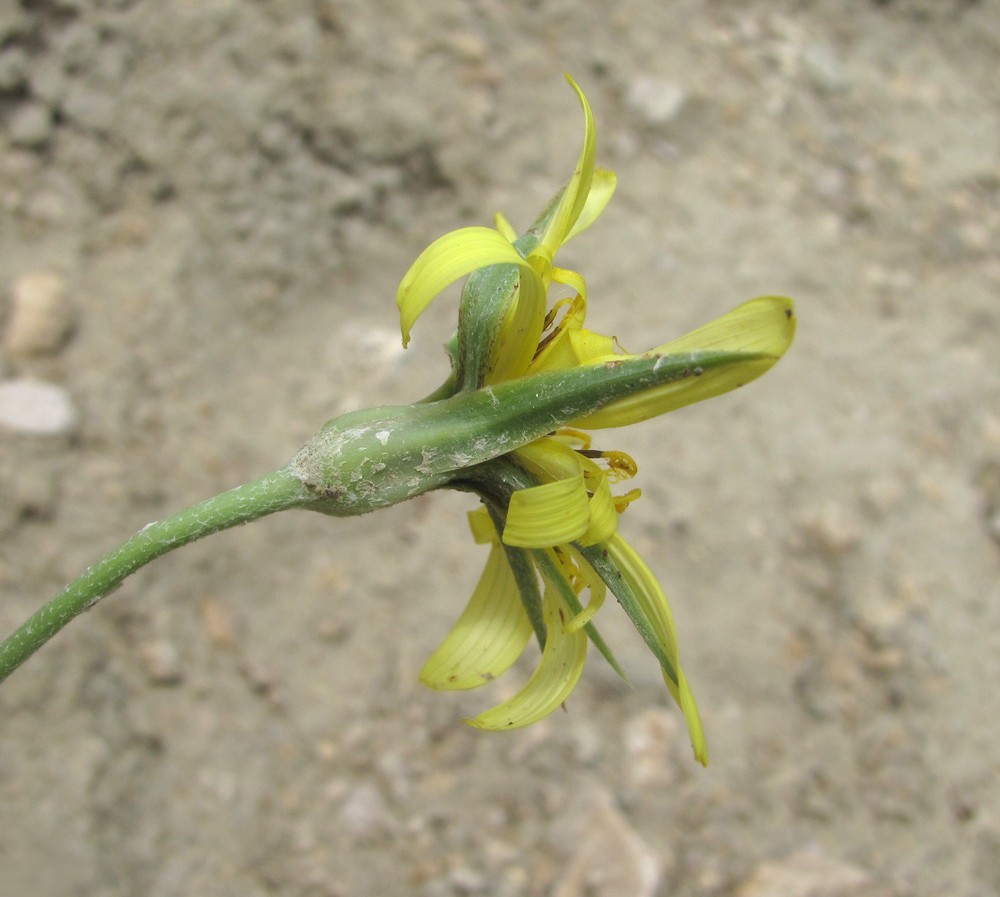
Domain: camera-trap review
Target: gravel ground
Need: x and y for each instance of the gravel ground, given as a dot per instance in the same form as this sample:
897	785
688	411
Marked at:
206	209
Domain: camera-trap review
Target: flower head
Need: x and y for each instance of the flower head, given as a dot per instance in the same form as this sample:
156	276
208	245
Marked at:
548	511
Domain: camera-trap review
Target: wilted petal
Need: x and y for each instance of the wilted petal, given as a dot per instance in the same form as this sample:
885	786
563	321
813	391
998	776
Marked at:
483	530
722	355
586	578
550	459
489	636
452	257
573	346
555	677
505	228
602	188
555	351
521	330
550	514
603	515
575	195
654	606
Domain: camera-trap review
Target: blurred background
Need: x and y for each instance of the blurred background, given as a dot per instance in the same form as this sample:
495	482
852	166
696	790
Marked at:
206	210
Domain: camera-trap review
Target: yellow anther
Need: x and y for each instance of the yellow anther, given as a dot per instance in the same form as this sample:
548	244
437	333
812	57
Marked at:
620	466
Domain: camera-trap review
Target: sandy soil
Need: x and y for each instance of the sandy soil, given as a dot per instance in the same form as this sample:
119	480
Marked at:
229	192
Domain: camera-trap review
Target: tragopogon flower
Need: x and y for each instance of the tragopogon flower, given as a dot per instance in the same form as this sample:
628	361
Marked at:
510	424
548	511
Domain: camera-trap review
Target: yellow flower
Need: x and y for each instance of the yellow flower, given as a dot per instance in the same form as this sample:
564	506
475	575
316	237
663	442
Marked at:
549	514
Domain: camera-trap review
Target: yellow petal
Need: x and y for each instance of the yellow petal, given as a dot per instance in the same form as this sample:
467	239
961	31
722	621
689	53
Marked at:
689	707
602	188
762	329
558	352
546	515
555	677
481	525
577	190
551	459
603	516
588	344
489	636
764	325
521	330
594	584
505	228
654	605
451	257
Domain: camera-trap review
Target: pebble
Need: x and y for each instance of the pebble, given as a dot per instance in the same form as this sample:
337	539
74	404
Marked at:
648	739
824	69
833	530
31	126
364	812
611	859
162	661
40	316
656	101
13	69
810	873
35	408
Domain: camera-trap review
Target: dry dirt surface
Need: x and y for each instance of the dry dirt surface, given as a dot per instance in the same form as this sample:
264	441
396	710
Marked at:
208	206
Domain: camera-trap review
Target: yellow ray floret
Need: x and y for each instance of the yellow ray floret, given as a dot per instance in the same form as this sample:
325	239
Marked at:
654	604
574	197
761	330
489	636
450	258
550	514
555	677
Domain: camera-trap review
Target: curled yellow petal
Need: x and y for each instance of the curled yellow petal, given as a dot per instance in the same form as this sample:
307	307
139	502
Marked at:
551	459
575	195
603	516
489	636
764	325
689	707
481	525
505	228
555	677
602	188
546	515
656	609
761	330
587	578
451	257
521	330
574	346
556	351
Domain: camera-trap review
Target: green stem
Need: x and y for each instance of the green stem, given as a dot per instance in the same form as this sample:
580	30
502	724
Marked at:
276	491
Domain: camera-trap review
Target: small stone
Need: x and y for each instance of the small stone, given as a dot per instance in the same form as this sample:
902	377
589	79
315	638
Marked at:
611	859
40	317
13	69
35	408
217	621
31	126
465	880
656	101
364	812
163	664
833	530
810	873
648	739
824	68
